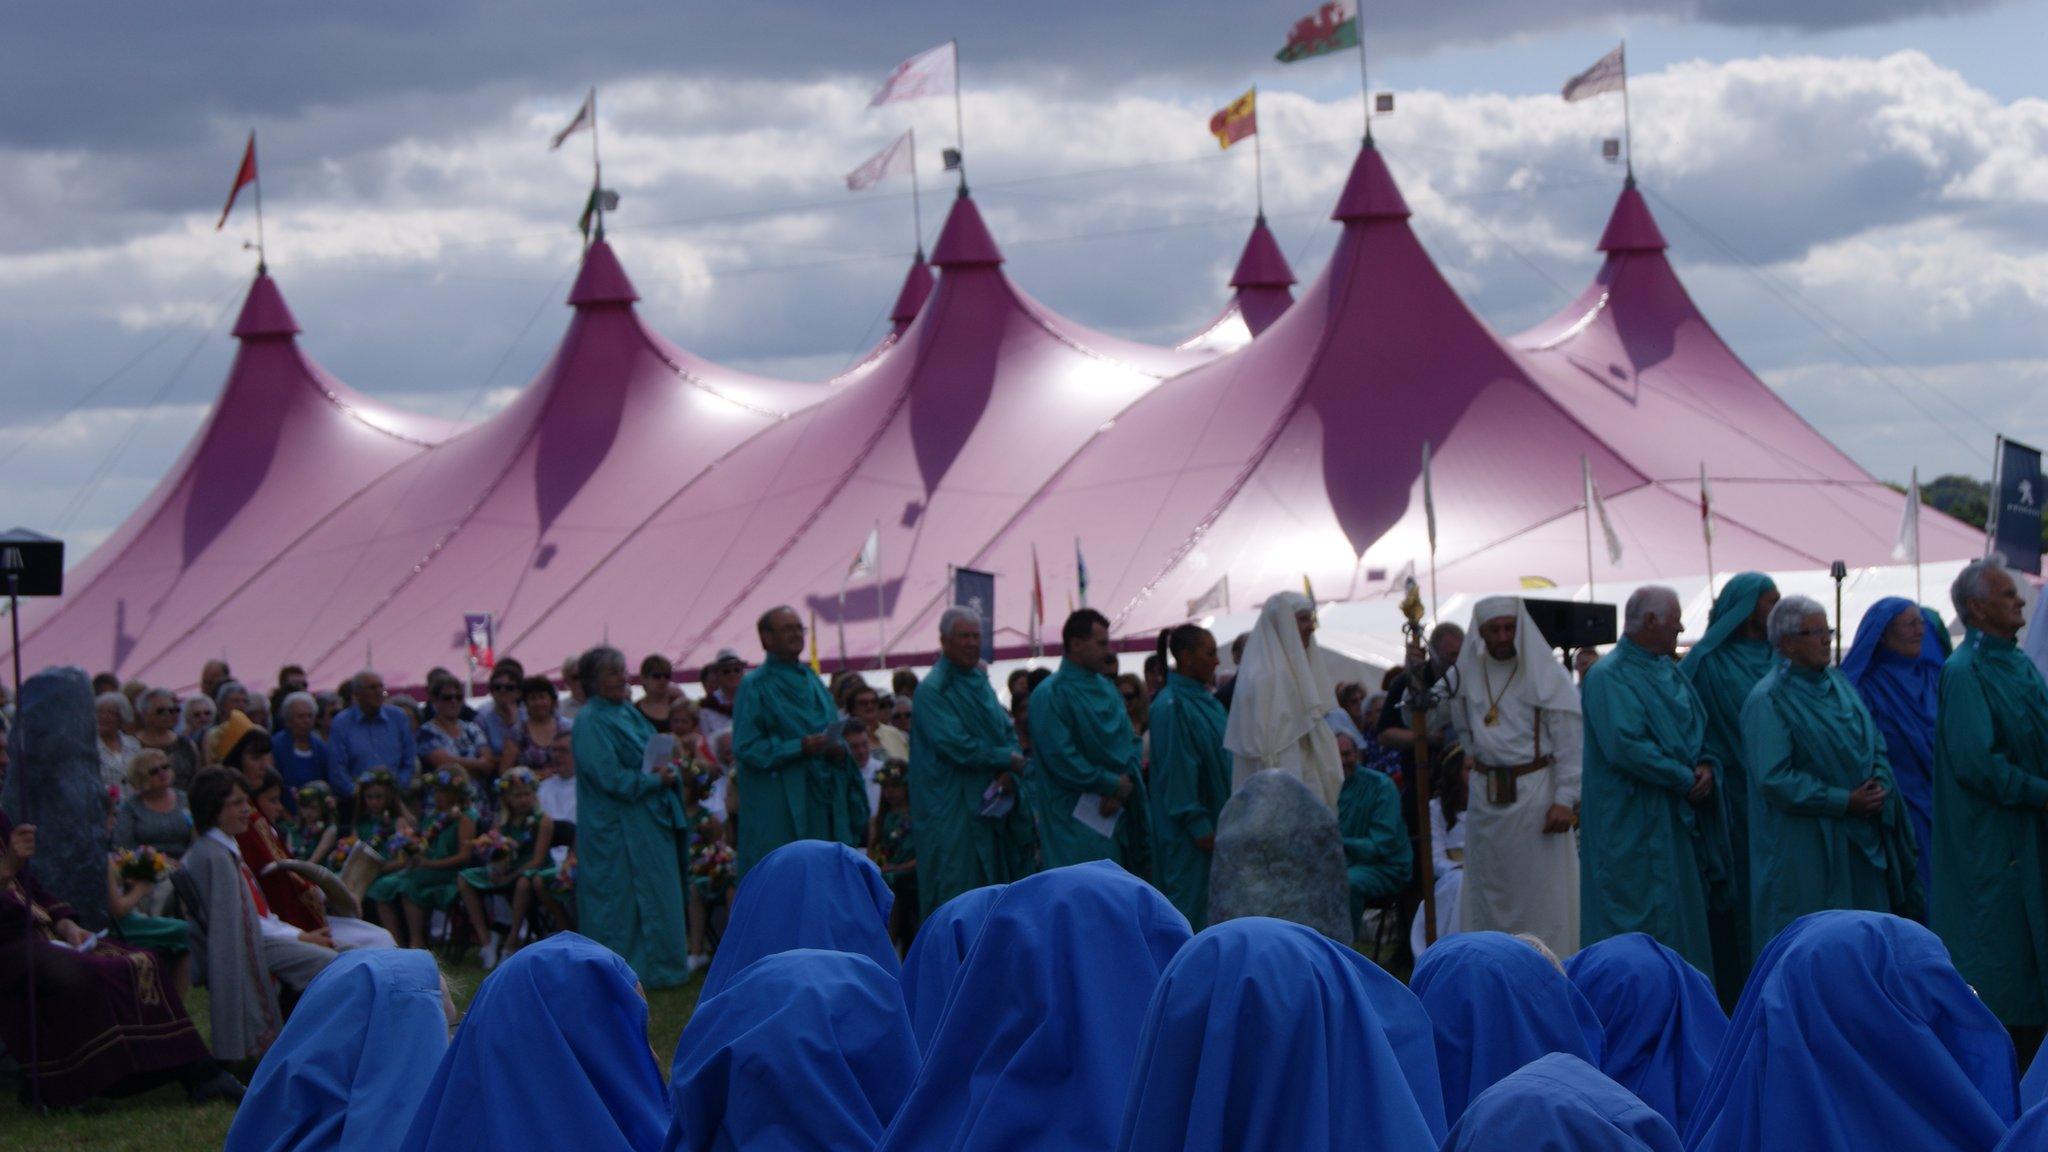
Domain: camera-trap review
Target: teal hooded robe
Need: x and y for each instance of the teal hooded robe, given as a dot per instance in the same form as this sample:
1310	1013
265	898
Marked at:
961	739
1641	842
631	835
1081	742
1990	900
784	794
1190	783
1808	741
1377	856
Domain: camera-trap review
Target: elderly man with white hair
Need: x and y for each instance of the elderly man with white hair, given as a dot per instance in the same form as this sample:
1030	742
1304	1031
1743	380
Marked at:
1518	712
1827	825
1990	796
1279	705
964	772
1649	789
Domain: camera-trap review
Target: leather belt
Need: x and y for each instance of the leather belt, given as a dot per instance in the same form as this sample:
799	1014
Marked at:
1536	765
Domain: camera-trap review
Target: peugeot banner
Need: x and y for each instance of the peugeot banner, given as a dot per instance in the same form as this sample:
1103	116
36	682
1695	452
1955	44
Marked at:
976	592
2015	528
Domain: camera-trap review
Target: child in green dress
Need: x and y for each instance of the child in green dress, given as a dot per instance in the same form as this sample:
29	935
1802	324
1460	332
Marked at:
312	834
430	885
893	851
386	828
711	862
131	874
515	864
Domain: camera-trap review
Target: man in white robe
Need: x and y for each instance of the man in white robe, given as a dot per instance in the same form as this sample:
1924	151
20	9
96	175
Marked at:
1518	712
1279	705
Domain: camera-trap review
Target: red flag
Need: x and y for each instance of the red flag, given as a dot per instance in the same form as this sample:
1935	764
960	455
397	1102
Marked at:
1236	120
243	178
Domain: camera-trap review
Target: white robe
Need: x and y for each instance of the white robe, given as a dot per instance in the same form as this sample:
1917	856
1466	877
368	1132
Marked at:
1517	877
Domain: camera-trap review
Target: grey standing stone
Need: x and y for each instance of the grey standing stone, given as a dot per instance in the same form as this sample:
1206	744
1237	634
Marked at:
56	769
1279	854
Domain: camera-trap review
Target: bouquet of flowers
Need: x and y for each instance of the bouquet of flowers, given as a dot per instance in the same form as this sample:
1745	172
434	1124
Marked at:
144	864
565	876
494	851
339	855
402	846
711	867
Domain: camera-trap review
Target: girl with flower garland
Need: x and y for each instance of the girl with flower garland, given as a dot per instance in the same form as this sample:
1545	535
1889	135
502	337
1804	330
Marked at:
385	827
893	851
312	834
515	862
430	884
132	874
709	879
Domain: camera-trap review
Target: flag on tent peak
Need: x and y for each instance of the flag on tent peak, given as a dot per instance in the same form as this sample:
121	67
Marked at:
881	165
1608	74
586	117
1333	27
932	72
244	176
1236	120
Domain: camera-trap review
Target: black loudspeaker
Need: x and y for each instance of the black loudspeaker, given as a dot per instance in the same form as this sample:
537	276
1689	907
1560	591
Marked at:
35	561
1573	623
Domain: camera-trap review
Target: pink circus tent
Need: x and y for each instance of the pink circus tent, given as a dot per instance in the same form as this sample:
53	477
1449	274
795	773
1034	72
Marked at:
285	445
1262	288
1299	458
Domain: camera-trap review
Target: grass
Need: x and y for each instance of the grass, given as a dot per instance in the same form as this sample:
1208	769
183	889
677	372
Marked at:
162	1121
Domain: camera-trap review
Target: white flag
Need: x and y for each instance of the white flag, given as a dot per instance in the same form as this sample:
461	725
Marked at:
1608	74
1908	547
585	117
864	564
929	73
1599	508
1428	497
880	166
1218	596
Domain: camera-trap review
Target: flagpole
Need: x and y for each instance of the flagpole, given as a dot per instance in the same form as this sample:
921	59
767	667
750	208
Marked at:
596	165
1586	473
262	257
842	623
1258	161
1628	144
916	204
1914	496
1364	85
959	118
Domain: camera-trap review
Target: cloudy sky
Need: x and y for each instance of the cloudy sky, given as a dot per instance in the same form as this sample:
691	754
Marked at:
1853	189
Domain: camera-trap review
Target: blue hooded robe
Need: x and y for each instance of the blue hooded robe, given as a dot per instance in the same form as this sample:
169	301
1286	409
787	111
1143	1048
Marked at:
1495	1004
553	1054
347	1072
1857	1033
805	894
1902	695
1037	1043
2030	1134
1264	1036
935	957
803	1051
1561	1103
1662	1023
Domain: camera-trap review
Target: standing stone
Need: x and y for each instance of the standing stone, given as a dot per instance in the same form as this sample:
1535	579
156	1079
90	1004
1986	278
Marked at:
55	763
1278	854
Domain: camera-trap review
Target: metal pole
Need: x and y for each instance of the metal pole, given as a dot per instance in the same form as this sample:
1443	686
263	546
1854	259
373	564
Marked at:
916	202
596	165
1586	469
35	1078
1258	161
262	256
959	119
1840	572
1628	143
1364	85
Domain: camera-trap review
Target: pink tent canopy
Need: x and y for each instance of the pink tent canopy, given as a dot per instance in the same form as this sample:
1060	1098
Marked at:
1262	287
284	445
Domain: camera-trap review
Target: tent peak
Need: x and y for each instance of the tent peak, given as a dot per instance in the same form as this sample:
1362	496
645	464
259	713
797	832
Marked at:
965	240
1261	265
917	284
1631	228
264	312
1370	193
602	279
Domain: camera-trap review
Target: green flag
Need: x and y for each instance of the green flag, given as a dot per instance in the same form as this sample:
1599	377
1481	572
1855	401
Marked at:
1333	28
601	200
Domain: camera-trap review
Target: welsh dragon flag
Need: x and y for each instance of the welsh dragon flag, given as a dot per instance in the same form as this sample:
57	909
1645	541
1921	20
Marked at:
1333	28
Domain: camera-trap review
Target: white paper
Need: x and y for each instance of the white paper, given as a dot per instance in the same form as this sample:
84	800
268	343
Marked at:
91	942
1089	813
661	750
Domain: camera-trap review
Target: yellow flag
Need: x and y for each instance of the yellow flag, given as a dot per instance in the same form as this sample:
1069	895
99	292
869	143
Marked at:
1308	589
815	665
1236	120
1532	583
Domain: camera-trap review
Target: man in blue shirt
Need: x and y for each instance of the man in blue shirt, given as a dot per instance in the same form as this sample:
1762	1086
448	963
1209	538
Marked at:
370	735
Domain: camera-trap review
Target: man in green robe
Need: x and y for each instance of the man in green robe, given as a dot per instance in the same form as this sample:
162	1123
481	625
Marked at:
632	833
1827	824
1990	899
1648	787
1377	856
1190	777
789	763
964	766
1085	752
1724	668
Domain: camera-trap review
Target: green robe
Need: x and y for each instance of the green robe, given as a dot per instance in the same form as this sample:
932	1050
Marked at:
1990	900
960	741
785	795
1807	742
631	835
1377	856
1640	840
1724	668
1081	742
1190	783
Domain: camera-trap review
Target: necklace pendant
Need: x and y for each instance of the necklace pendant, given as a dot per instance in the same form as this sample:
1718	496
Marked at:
1492	717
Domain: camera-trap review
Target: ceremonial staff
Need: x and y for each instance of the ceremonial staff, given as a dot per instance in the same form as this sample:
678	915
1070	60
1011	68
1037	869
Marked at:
1418	722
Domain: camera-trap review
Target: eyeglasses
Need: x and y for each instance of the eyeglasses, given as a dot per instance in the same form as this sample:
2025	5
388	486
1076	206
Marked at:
449	698
506	686
1803	632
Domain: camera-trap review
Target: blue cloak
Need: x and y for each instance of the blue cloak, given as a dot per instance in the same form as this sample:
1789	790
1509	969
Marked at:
553	1054
1662	1022
803	1051
1263	1036
1496	1004
2030	1134
347	1072
2034	1087
805	894
1561	1103
935	956
1036	1045
1856	1032
1901	694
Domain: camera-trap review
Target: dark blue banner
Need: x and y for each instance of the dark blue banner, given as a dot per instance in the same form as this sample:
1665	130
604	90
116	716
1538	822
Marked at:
2016	507
976	591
